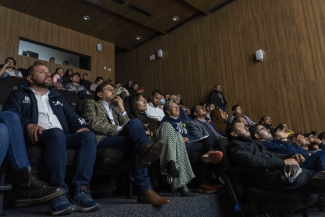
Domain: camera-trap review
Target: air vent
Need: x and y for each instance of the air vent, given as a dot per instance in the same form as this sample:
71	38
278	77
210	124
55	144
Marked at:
184	21
119	1
220	6
140	10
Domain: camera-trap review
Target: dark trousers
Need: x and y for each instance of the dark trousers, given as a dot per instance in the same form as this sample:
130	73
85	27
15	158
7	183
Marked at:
55	143
131	139
315	162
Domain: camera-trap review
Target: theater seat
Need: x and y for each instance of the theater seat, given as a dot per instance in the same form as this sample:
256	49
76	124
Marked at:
71	98
250	199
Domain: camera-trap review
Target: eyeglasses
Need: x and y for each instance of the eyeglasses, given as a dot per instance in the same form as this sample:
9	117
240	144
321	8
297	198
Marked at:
109	90
263	128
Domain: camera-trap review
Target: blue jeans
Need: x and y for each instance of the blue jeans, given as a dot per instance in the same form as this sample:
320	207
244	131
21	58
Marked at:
133	133
55	143
12	142
315	162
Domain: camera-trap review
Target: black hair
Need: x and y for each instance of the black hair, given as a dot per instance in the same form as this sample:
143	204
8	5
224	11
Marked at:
66	74
100	88
230	128
155	92
98	79
10	58
84	74
30	69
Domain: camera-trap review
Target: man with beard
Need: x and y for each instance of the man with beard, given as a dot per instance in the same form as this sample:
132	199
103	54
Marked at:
153	110
246	152
48	121
266	121
276	141
217	98
8	69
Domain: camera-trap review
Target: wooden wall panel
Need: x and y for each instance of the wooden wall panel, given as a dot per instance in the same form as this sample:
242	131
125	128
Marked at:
16	25
219	48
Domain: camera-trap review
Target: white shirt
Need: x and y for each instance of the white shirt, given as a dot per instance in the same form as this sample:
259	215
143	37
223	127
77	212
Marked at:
110	115
46	118
154	112
12	73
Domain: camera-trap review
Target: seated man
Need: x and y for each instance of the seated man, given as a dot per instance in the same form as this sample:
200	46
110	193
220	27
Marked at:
199	128
266	121
321	137
121	91
29	189
75	86
246	152
183	111
84	81
237	111
115	130
8	69
49	121
153	110
135	88
280	144
314	142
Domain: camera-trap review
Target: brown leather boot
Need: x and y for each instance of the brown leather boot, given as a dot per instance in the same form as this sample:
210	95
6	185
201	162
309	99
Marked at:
152	198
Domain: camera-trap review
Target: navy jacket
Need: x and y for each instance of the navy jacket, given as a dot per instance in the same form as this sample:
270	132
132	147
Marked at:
24	104
284	148
178	125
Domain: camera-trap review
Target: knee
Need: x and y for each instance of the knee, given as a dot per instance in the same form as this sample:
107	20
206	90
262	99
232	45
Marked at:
54	136
88	137
4	132
135	122
10	116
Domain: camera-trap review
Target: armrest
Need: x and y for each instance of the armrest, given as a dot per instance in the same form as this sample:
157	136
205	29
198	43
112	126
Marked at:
245	170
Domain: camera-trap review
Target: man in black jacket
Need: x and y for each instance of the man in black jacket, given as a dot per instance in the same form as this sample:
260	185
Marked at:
49	121
217	98
246	152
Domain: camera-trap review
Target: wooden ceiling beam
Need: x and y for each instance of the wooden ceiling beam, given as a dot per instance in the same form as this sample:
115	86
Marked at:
192	6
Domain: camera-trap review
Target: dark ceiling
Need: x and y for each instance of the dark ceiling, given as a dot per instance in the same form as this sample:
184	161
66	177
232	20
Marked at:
118	21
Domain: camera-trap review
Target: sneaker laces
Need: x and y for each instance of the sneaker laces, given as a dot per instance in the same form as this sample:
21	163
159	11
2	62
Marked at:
84	193
32	177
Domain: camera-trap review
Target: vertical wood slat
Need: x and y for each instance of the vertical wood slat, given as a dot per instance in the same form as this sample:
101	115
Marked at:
219	48
16	25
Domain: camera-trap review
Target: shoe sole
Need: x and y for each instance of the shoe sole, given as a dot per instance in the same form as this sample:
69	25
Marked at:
25	202
207	158
67	211
78	208
153	154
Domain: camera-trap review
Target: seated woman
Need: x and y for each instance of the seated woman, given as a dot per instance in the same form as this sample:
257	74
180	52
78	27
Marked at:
66	77
57	81
173	150
219	118
60	71
98	81
204	146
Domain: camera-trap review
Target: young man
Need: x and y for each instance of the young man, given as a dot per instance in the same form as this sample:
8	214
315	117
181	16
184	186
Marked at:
217	98
75	85
84	81
154	111
266	121
8	69
114	129
238	112
276	141
29	189
49	121
246	152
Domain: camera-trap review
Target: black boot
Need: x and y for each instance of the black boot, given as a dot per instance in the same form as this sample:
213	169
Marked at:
171	169
186	192
29	189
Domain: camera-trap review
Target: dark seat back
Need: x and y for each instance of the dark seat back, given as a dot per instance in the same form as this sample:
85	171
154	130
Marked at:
71	98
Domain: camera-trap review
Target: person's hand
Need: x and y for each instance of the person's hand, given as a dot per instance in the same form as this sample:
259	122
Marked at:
119	103
291	161
33	130
82	129
6	65
140	91
299	158
186	139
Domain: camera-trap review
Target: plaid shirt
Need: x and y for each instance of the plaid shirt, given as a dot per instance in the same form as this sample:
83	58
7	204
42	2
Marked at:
96	115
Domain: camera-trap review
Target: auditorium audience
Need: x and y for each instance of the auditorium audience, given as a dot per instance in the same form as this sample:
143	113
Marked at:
173	159
208	154
84	81
60	71
114	129
217	98
237	111
8	69
66	77
276	141
76	87
153	110
183	111
57	81
246	152
97	82
50	122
